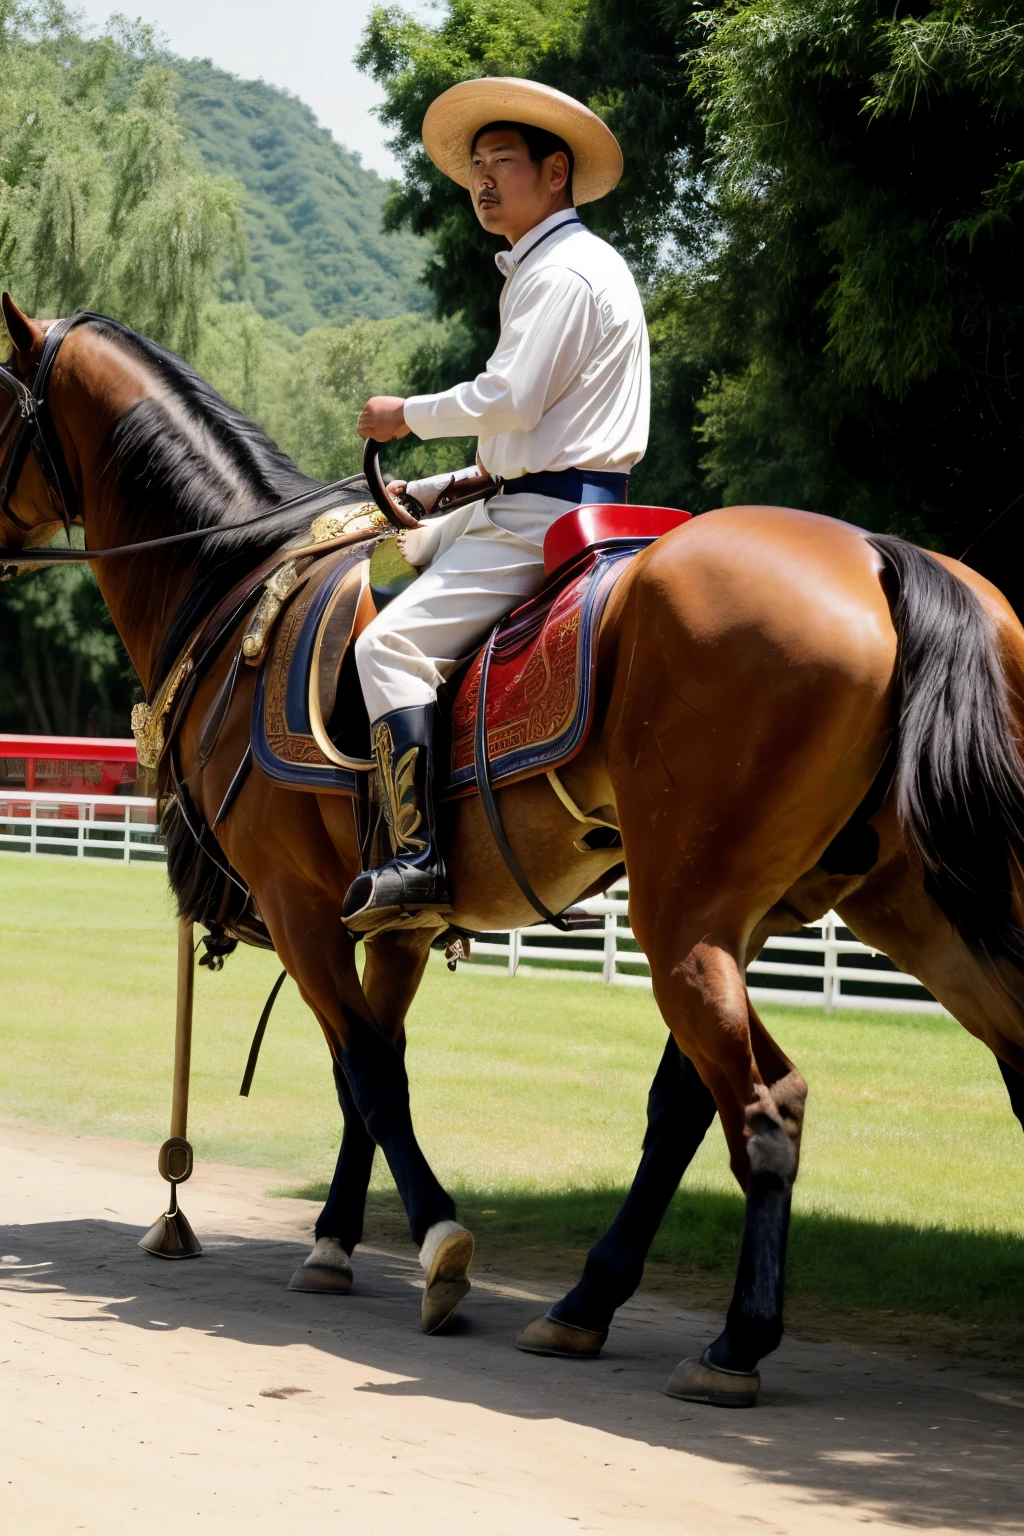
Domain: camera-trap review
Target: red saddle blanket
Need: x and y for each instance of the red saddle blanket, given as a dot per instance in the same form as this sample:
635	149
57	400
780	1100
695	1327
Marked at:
540	685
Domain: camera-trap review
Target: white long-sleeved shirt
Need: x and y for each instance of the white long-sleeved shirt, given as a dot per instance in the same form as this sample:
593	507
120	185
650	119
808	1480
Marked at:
568	385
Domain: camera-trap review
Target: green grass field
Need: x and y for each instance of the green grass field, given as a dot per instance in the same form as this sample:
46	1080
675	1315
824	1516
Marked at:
529	1098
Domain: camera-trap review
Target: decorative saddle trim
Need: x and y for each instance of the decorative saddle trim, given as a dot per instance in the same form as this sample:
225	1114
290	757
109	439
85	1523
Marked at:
298	682
540	693
155	723
148	719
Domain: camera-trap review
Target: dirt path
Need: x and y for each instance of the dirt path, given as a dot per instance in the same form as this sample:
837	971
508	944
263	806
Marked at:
155	1397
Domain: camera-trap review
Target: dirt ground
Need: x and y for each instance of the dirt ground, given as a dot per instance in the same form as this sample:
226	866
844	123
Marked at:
163	1397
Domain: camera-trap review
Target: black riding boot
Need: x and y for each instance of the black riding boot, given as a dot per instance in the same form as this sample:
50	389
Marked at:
415	880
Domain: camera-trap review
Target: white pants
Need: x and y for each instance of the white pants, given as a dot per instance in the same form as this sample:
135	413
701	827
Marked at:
484	560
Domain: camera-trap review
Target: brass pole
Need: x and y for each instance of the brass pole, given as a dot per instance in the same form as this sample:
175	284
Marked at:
183	1029
170	1236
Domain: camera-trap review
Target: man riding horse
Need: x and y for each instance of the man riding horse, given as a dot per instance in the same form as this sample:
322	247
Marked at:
561	413
790	715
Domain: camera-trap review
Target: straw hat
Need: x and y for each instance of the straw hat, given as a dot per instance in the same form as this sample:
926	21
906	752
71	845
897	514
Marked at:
457	115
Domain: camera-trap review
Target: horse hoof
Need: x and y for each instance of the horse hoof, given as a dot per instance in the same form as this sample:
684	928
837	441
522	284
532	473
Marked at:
545	1336
316	1278
447	1281
327	1270
696	1382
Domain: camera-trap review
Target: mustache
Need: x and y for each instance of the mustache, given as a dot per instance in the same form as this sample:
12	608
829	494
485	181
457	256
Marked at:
487	196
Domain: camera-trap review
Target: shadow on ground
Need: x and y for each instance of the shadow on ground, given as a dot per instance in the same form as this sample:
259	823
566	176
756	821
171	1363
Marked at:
865	1281
915	1442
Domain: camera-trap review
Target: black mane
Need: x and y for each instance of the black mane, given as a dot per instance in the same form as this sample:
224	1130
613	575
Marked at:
190	460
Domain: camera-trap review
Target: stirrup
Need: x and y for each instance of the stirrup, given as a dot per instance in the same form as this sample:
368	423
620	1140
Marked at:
394	888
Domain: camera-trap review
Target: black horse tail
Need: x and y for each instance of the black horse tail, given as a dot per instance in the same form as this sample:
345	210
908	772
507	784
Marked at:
959	775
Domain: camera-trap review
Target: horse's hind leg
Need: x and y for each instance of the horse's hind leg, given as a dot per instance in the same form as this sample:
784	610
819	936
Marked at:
760	1097
679	1110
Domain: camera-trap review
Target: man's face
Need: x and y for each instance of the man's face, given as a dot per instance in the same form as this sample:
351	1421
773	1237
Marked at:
511	193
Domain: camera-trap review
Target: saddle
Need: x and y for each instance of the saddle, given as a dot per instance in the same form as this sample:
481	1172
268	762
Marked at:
309	726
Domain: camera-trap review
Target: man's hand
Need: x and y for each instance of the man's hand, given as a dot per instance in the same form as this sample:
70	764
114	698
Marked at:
382	418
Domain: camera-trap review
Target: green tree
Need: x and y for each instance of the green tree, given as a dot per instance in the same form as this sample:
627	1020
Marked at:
63	669
104	204
307	391
868	178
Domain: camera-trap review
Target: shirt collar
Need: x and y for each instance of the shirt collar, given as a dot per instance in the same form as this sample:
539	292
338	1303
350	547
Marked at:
507	261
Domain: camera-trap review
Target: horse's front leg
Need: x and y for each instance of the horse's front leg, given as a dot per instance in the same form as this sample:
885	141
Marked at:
320	955
393	971
1014	1081
679	1110
339	1227
394	968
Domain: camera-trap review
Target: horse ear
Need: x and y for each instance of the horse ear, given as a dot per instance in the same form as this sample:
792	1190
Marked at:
26	335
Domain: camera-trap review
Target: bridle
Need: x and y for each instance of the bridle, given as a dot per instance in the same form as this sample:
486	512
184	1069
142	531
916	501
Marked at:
34	432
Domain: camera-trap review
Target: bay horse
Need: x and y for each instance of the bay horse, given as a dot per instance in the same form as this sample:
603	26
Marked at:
791	715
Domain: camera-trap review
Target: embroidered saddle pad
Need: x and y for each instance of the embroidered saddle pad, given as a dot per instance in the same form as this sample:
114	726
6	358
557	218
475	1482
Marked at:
540	685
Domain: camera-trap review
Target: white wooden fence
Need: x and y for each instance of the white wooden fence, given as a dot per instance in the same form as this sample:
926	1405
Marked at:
83	826
824	966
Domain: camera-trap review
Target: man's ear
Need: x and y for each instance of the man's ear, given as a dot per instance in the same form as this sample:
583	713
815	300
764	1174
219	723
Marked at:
26	335
559	171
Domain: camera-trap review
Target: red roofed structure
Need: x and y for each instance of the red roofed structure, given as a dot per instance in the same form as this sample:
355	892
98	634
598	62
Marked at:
82	765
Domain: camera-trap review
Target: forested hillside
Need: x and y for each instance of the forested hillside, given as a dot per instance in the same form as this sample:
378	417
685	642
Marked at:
317	251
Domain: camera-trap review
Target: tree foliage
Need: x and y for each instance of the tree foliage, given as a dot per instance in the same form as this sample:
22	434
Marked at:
63	670
307	391
867	167
104	201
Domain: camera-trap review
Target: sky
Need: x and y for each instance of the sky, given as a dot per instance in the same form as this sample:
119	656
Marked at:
311	56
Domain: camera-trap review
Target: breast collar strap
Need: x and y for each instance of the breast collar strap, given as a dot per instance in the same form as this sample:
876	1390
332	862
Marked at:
35	432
